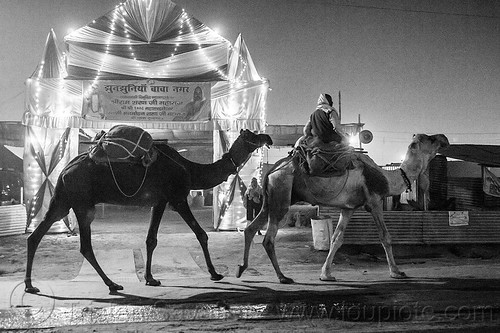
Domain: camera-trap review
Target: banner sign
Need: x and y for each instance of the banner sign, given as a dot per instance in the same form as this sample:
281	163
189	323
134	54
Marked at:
146	100
491	184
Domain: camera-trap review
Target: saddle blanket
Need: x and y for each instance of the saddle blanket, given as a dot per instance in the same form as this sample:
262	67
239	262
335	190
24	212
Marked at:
124	143
325	159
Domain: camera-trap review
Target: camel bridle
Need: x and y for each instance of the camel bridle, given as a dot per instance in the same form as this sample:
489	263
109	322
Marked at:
237	167
232	161
406	179
258	145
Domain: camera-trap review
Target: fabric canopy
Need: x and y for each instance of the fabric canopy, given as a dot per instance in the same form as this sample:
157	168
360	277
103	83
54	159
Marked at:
147	39
240	102
488	155
52	64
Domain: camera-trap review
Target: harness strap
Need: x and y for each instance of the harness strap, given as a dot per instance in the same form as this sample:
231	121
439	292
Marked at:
232	161
118	186
406	179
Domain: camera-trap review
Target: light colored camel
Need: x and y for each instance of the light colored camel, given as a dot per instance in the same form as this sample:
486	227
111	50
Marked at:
364	186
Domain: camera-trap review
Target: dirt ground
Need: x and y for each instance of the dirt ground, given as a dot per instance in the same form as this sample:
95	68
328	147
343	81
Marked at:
126	227
58	258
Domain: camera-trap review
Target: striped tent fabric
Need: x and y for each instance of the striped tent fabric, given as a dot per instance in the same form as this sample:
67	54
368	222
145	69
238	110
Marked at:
240	102
51	66
147	39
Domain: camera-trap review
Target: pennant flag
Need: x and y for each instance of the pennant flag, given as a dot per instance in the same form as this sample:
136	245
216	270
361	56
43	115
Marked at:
491	184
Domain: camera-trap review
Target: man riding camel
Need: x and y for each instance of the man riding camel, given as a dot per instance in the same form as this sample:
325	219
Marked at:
322	134
324	123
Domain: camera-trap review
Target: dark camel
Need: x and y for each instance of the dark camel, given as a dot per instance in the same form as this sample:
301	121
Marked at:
364	186
83	183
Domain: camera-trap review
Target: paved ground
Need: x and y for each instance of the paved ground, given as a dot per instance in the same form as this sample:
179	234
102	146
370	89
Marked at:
449	289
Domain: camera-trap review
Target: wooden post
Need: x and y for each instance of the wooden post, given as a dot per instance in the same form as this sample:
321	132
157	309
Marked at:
359	131
340	109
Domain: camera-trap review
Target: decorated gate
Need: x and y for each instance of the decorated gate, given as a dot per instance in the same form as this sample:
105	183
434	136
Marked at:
148	64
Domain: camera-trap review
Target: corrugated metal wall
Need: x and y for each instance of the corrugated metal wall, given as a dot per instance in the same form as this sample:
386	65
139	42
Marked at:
468	192
491	202
12	220
420	227
484	227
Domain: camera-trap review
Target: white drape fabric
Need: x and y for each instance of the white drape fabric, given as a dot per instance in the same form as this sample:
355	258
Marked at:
189	64
240	102
147	39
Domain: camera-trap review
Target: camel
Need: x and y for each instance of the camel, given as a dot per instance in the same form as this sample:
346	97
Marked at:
83	183
364	186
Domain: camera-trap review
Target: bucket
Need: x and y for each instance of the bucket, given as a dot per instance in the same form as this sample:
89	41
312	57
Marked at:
322	231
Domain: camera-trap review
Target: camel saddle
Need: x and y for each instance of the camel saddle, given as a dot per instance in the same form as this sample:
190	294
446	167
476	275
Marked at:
324	159
125	144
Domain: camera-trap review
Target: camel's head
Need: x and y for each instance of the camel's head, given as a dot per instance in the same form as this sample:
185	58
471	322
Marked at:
253	140
429	144
424	148
246	143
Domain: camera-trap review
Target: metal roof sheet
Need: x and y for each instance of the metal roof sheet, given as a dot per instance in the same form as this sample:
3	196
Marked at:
488	155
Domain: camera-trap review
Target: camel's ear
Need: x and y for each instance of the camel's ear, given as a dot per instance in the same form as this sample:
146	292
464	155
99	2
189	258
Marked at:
443	140
421	137
241	131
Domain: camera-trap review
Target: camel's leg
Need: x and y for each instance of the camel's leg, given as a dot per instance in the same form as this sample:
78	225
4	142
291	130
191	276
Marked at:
385	238
279	198
183	209
152	240
268	244
336	242
256	225
85	216
55	212
276	203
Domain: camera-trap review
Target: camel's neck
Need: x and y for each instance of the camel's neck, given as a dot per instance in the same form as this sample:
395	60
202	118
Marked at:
206	176
401	179
203	176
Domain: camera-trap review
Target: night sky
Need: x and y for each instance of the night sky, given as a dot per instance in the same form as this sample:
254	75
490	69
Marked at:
405	66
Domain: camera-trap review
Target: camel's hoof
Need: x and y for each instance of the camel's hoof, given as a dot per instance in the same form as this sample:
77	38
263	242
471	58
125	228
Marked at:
399	276
240	270
216	277
115	287
327	278
285	280
32	290
153	282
